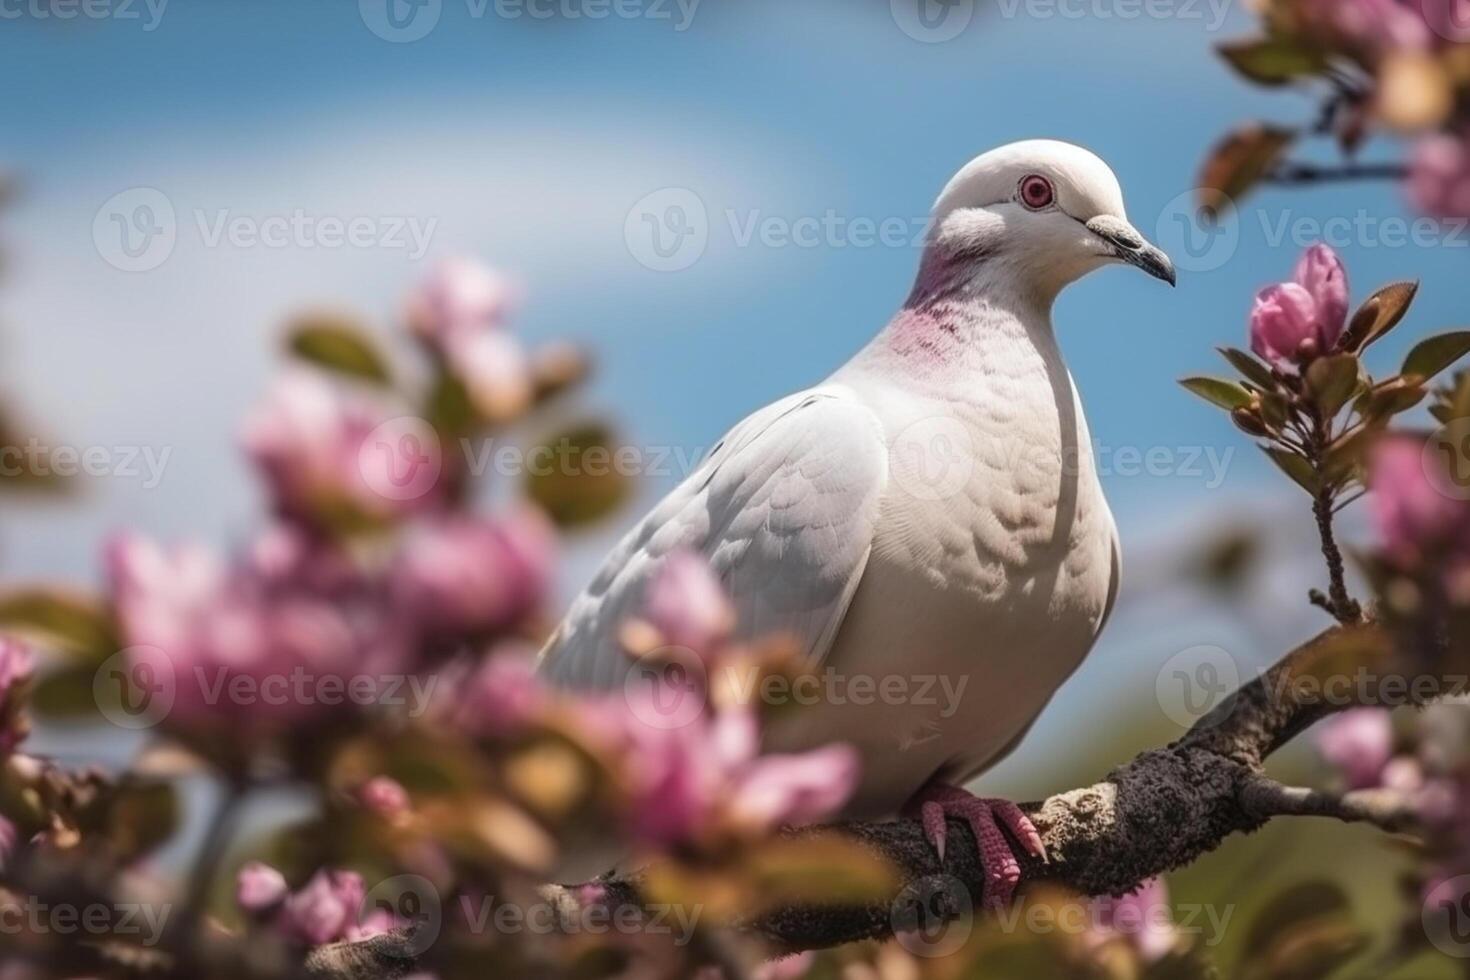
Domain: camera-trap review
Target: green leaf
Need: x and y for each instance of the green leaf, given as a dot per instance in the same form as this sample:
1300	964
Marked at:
1304	933
1225	394
1332	381
1433	355
1295	467
1253	370
1272	61
577	478
1378	315
1238	162
66	695
72	623
339	346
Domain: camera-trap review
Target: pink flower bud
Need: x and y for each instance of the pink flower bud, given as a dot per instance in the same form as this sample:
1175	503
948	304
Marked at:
1369	27
1284	316
259	887
1358	743
460	294
385	797
326	909
1321	273
494	369
688	605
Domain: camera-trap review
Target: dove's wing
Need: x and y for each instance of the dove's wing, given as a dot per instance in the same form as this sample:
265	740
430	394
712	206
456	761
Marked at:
784	508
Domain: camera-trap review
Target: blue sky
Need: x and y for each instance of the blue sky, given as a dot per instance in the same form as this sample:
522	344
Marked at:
529	141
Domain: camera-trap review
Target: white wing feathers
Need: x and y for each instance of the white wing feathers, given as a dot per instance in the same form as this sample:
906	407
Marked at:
784	508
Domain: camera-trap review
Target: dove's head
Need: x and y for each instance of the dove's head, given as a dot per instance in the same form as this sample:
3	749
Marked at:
1039	214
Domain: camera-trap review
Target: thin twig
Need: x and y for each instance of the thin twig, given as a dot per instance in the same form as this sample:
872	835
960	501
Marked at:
1293	174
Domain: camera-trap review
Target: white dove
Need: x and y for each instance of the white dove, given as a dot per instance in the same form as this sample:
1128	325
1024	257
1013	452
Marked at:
932	510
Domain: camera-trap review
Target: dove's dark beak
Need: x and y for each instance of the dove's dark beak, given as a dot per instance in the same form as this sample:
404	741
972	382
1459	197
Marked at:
1131	247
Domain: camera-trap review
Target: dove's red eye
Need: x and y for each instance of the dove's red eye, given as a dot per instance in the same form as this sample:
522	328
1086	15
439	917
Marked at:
1037	192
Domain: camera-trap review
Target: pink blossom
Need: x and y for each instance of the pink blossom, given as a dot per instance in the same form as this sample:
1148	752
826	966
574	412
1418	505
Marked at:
1439	175
787	968
687	604
683	779
1143	918
797	789
1412	515
326	910
325	448
1292	321
1320	272
385	797
1358	743
1448	19
228	647
461	294
259	887
1370	27
504	694
494	368
463	574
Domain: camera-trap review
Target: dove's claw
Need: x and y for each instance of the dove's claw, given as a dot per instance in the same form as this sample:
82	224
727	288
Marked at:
938	802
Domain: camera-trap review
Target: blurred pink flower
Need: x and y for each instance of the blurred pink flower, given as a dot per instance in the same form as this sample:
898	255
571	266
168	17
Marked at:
384	797
1439	175
326	910
494	368
1370	27
1358	744
462	574
323	446
503	695
461	294
1310	311
787	968
16	668
688	605
797	789
1411	514
460	310
1448	19
682	779
259	887
1143	918
233	649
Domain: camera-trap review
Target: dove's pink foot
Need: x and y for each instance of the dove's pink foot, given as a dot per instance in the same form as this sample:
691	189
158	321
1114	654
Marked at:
936	802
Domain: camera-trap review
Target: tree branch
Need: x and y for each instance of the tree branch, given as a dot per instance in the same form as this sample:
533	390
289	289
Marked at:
1292	174
1162	810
